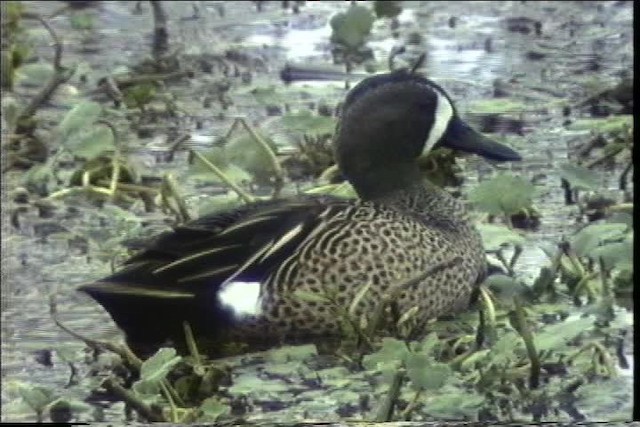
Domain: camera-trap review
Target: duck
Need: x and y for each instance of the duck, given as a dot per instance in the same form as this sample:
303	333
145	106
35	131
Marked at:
238	276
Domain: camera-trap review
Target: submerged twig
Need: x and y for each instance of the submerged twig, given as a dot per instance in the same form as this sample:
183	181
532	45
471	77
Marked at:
60	75
146	411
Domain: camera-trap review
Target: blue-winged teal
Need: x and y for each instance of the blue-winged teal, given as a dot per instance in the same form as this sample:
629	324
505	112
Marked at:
401	228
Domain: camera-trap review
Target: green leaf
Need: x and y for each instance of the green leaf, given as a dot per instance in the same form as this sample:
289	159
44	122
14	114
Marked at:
246	153
82	21
424	373
557	336
496	236
35	396
212	409
387	8
90	143
391	352
505	287
158	366
219	158
454	405
507	194
10	111
82	116
618	255
503	351
593	235
427	344
579	177
34	75
352	27
308	123
155	369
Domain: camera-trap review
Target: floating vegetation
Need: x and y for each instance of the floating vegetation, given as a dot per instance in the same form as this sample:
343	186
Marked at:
547	340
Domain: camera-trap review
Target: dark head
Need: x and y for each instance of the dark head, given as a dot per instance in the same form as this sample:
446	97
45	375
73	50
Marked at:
389	120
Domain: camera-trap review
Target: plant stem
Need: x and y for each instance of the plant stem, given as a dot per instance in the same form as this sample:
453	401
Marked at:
248	198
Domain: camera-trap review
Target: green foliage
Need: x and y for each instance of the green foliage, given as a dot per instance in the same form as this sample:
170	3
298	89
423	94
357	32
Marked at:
603	125
154	370
212	409
506	287
10	110
426	374
79	117
82	21
352	27
387	8
458	405
79	135
594	235
560	336
503	194
140	95
579	177
218	156
495	237
308	123
497	106
36	74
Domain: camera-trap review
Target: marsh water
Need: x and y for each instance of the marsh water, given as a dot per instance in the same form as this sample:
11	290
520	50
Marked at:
37	260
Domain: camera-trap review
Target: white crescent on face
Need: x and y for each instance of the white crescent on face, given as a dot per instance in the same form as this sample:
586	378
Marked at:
442	117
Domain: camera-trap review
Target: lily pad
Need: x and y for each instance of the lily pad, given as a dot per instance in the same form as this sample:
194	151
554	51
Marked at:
495	236
212	409
351	28
618	255
91	142
219	158
459	404
34	75
506	287
387	8
593	235
579	177
392	351
245	152
558	336
82	116
425	374
155	369
503	194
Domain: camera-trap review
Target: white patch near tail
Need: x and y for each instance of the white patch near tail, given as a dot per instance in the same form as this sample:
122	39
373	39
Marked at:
242	297
441	119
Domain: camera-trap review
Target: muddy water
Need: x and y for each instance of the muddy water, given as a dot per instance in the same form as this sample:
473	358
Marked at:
34	266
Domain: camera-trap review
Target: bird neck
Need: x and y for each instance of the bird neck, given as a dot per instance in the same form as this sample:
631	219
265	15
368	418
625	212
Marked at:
409	192
387	182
